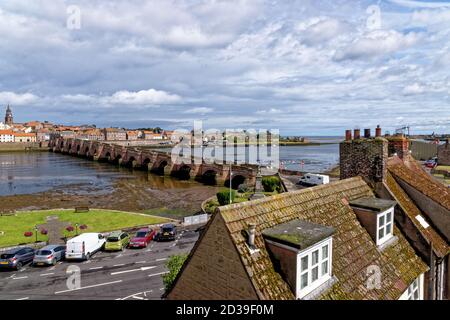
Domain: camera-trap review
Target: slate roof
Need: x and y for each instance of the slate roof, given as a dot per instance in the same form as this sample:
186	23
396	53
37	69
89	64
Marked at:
422	183
353	248
408	206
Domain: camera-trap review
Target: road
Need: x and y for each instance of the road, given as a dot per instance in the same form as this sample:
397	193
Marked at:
134	274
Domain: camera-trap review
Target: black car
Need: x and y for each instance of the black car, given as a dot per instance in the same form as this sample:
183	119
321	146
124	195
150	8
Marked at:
167	232
16	258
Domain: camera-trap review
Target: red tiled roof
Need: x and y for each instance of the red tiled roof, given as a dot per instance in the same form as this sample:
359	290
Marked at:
353	248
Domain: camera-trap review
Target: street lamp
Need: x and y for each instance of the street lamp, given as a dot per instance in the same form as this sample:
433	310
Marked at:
36	232
231	178
76	228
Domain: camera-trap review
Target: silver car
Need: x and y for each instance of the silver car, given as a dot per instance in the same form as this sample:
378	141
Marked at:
49	255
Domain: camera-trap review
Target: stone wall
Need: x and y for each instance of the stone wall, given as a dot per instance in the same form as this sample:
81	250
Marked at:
399	145
444	154
364	157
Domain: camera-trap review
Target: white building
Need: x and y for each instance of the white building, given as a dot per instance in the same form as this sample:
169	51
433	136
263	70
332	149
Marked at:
6	136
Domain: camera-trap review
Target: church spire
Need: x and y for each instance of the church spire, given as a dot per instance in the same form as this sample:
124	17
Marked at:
8	116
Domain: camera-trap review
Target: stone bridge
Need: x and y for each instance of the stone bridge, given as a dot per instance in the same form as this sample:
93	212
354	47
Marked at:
157	162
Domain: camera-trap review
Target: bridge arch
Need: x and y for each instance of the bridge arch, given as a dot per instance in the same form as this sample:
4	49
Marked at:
183	172
209	177
159	169
130	161
117	159
145	163
236	181
86	151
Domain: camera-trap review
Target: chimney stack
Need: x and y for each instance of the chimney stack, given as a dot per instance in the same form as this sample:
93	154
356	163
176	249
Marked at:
378	131
357	134
348	135
251	234
367	133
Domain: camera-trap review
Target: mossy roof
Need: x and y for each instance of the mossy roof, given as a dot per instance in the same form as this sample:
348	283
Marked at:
353	248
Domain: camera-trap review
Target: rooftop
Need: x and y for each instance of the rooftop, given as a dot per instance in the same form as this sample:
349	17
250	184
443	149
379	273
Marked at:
299	234
371	203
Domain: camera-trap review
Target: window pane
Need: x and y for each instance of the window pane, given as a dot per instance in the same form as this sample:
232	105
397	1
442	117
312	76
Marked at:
381	233
315	257
304	263
304	280
388	228
324	268
416	295
414	284
324	252
315	274
388	217
381	221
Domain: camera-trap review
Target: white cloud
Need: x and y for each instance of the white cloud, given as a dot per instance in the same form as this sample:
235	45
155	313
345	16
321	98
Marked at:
143	97
375	43
17	98
199	110
414	89
270	111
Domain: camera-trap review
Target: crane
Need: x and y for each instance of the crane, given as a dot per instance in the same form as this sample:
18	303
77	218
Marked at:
403	130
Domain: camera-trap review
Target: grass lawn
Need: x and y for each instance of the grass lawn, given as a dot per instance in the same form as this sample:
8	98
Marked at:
97	220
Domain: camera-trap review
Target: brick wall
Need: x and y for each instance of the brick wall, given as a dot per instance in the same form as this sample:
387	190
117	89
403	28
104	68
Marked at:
399	145
444	154
364	157
215	271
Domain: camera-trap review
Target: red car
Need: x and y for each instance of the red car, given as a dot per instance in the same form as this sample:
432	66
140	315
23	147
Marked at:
142	238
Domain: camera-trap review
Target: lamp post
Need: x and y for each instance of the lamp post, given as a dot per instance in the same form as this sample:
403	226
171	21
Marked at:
36	232
76	228
231	178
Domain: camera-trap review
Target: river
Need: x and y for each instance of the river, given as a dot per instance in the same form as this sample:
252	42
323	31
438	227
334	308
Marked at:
32	180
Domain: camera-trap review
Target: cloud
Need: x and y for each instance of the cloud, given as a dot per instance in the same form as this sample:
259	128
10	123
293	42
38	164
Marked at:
376	43
323	30
8	97
199	110
143	97
270	111
413	89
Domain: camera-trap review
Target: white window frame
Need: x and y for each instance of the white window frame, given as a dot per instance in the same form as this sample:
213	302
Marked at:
415	290
386	236
312	285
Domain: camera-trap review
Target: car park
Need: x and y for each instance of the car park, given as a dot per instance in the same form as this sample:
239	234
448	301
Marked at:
142	238
84	246
117	241
16	258
167	232
49	255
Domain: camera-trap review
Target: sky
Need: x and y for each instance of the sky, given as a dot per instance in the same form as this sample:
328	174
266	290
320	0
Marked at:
306	67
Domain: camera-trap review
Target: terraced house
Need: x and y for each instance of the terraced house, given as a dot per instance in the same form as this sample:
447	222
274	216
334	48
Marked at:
367	236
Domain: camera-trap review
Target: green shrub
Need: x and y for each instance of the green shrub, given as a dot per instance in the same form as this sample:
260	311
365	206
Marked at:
223	197
271	184
174	265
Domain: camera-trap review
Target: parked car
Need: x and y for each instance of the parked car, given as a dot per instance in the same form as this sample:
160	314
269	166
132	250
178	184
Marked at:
84	246
16	258
430	163
117	241
49	255
312	179
167	232
142	238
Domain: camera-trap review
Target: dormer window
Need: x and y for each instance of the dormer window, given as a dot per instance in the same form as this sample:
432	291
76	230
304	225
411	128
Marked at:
385	223
303	252
315	266
377	217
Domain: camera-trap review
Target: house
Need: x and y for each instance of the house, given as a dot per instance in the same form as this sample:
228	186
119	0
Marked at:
42	135
114	134
318	243
150	135
24	137
91	134
444	153
423	210
6	136
132	135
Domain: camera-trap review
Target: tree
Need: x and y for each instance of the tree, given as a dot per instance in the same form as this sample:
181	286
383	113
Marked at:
174	264
224	196
271	184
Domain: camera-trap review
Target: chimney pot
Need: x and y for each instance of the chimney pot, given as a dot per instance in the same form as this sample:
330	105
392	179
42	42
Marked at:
378	131
367	133
251	234
348	135
357	134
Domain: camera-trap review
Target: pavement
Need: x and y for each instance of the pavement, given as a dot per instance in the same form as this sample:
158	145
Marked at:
133	274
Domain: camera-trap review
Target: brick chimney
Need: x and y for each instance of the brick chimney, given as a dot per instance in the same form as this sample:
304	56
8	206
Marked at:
364	157
399	145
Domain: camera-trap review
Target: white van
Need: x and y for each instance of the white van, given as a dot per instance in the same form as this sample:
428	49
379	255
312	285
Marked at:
313	179
84	246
